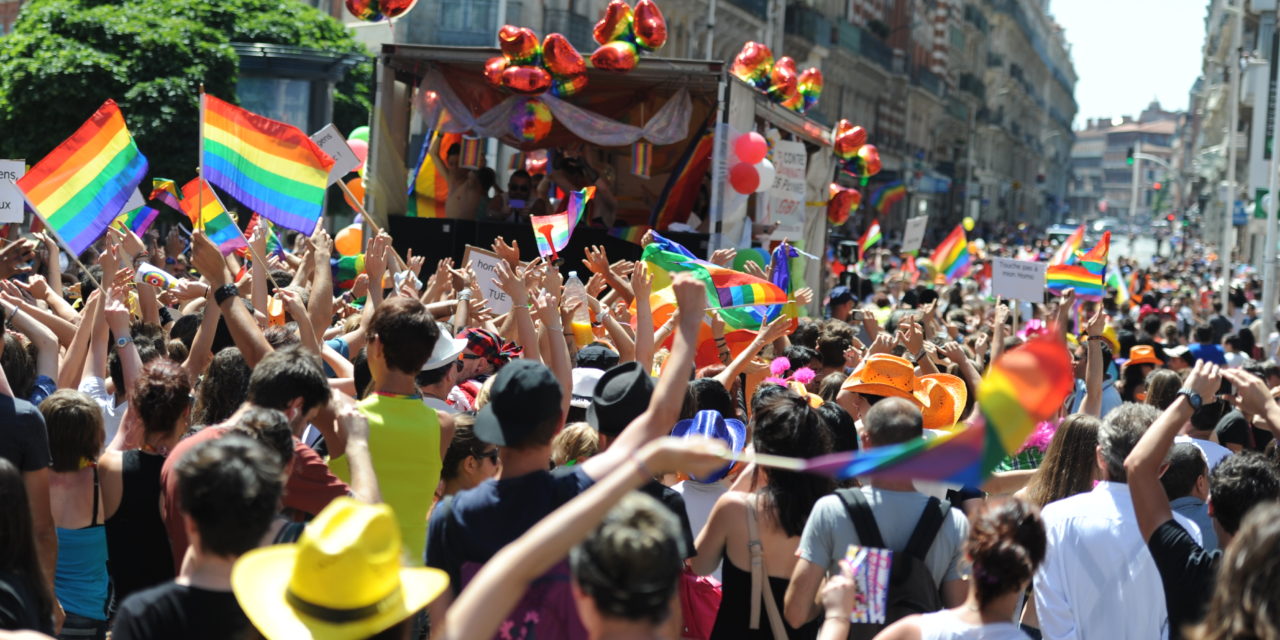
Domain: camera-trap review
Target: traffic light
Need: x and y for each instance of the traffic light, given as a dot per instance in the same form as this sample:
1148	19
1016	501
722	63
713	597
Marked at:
1169	217
1157	186
1128	159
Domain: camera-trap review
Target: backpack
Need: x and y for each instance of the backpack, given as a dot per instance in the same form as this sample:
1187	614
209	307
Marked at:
912	588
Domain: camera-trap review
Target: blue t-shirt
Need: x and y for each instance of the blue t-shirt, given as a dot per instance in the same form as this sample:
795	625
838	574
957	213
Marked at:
43	387
339	345
1210	352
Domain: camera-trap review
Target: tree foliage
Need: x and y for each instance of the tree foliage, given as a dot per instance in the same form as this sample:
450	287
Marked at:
66	57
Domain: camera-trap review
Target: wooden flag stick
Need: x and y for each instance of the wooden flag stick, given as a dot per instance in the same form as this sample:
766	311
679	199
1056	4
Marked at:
63	243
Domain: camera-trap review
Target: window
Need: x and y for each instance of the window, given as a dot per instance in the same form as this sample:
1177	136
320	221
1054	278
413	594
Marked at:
284	99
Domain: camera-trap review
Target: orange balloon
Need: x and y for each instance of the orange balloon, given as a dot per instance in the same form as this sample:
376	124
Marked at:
356	185
349	241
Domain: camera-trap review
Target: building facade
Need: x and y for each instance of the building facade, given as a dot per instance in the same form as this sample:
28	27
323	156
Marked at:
1102	178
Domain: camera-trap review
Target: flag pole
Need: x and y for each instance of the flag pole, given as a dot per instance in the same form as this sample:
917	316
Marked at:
200	164
57	236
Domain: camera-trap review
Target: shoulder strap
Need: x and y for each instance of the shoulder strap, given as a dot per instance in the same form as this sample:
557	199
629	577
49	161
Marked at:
864	521
935	513
93	522
760	578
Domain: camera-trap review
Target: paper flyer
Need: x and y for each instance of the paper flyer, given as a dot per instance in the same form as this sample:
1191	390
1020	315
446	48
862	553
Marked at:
869	569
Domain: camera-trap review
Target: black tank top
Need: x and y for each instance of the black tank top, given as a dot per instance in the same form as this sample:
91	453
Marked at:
734	618
138	553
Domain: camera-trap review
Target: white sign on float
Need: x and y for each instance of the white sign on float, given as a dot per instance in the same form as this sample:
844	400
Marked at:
330	141
913	235
1018	279
10	197
784	205
485	264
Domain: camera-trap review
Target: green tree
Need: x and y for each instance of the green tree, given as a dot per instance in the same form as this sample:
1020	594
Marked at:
66	57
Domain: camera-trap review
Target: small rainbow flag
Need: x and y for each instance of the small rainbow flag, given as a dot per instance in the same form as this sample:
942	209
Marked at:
472	151
1087	276
869	238
204	209
952	256
681	190
166	191
641	158
81	186
887	195
274	247
1066	254
577	205
138	220
551	233
738	289
270	167
345	270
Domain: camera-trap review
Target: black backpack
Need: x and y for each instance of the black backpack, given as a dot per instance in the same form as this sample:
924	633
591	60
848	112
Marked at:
912	588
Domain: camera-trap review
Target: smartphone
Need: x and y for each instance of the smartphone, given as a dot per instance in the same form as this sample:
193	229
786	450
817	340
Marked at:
857	316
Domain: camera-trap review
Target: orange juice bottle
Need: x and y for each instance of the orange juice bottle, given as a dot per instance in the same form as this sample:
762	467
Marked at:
580	324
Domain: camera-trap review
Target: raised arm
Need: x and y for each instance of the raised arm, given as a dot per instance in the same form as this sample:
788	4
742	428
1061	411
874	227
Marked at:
118	321
244	329
515	289
71	370
258	268
768	333
201	352
1093	373
557	355
41	336
641	284
320	304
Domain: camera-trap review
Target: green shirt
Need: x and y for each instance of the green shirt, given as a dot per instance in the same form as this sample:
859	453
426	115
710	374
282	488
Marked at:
404	442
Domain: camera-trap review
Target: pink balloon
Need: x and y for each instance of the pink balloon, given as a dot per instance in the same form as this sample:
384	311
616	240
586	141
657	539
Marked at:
744	178
751	147
361	149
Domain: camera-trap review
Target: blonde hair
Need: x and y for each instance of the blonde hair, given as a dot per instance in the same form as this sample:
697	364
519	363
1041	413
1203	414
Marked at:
482	398
574	444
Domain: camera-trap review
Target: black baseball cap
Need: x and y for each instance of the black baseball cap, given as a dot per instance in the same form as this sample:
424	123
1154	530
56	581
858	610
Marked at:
525	394
597	356
840	295
621	395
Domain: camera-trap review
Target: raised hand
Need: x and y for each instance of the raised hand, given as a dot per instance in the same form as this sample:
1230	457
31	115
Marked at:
691	300
508	252
723	257
597	261
512	285
753	268
882	344
804	296
414	263
642	281
207	259
1096	324
595	286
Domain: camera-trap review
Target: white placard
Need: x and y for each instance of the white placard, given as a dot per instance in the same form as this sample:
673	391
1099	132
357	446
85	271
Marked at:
10	197
784	204
485	264
330	141
136	200
1018	279
913	235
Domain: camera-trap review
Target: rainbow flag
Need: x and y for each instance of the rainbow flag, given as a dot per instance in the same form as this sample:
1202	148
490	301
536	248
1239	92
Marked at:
138	220
1087	275
681	190
738	289
206	212
1025	386
269	166
1066	254
577	205
345	270
274	247
81	186
951	258
744	301
641	158
631	234
551	233
869	238
166	191
887	195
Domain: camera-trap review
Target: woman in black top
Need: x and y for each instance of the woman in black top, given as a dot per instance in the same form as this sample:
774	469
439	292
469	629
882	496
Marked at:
25	602
776	511
137	542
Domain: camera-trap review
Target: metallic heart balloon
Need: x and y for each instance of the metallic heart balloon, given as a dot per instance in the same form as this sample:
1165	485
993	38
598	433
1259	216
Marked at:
649	26
618	56
493	70
615	23
560	58
518	44
869	156
783	79
395	8
378	10
565	86
753	64
526	80
810	86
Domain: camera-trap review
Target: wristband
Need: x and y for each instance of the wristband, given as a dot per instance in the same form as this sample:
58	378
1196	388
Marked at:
221	294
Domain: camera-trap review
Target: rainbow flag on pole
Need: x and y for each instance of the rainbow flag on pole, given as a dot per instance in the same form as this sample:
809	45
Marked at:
681	190
743	300
166	191
887	195
551	233
138	220
1066	254
869	238
271	167
81	186
204	209
952	256
1087	275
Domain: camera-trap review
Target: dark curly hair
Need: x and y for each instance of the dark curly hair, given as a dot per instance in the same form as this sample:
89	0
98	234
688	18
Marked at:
1006	544
160	395
787	426
223	389
631	563
231	488
1240	483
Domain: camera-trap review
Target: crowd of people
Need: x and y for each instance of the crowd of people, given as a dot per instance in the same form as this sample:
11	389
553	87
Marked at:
252	451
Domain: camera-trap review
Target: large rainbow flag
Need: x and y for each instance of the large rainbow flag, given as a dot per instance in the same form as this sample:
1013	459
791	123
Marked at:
206	212
681	190
271	167
744	301
1087	275
951	258
81	186
1066	254
887	195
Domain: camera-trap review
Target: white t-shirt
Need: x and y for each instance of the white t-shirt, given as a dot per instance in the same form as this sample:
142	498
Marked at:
944	625
699	498
96	388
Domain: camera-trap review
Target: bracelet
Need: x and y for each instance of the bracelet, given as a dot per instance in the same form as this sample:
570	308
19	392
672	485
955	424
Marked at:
221	294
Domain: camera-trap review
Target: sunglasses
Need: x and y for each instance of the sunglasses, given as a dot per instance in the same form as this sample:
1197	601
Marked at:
491	455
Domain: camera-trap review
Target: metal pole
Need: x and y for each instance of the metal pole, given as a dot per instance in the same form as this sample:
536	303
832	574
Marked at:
707	54
1137	177
1229	190
1269	249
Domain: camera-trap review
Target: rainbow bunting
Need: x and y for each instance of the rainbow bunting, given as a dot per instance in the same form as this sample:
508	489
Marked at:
138	220
157	278
952	256
206	212
166	191
1087	275
641	158
81	186
887	195
271	167
345	270
869	238
1066	254
681	190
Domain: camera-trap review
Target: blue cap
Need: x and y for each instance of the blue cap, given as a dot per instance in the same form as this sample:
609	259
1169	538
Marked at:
711	424
840	295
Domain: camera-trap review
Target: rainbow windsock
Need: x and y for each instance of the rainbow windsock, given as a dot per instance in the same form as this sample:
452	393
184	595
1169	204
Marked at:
869	238
82	185
206	212
166	191
1066	254
138	220
887	195
1087	275
268	166
952	256
155	277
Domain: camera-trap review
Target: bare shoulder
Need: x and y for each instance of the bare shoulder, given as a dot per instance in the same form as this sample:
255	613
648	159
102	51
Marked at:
907	628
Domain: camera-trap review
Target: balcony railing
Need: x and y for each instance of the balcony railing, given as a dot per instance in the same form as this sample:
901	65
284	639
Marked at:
472	23
809	24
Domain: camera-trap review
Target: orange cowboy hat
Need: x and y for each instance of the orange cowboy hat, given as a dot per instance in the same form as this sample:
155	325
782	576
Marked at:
1143	354
883	375
942	397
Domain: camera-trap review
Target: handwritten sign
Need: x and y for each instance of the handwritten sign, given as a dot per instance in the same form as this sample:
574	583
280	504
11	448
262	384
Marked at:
913	235
784	204
10	197
1018	279
330	141
485	264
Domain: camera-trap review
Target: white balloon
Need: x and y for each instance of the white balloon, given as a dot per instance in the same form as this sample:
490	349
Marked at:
766	171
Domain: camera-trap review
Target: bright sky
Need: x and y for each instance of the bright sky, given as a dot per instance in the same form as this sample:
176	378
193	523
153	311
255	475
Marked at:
1127	52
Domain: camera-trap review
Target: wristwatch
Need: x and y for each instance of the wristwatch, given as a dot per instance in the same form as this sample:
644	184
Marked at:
122	341
1193	398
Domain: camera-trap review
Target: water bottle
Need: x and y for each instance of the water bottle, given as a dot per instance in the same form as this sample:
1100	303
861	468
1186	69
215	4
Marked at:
580	324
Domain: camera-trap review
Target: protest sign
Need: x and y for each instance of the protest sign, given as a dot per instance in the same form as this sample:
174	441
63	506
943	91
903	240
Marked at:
485	264
913	235
1018	279
330	141
10	196
784	205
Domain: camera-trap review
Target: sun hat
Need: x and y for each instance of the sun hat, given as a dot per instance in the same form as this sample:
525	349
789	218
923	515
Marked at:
584	385
709	423
342	580
525	394
942	397
883	375
621	395
445	352
1143	354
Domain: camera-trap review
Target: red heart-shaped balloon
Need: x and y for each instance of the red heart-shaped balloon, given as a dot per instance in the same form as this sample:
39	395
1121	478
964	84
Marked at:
560	58
649	26
518	44
870	157
616	21
493	70
618	55
396	8
753	64
526	80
